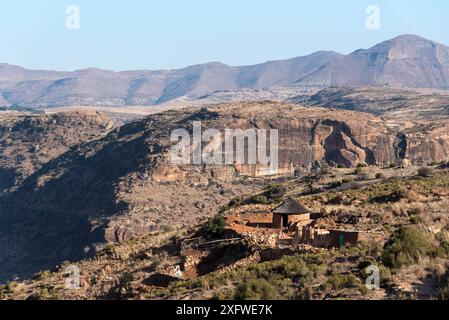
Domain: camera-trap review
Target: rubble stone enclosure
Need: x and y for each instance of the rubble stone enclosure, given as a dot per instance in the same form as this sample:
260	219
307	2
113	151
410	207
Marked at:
292	224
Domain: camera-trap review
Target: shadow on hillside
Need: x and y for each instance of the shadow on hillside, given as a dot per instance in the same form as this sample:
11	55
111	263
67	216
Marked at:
50	222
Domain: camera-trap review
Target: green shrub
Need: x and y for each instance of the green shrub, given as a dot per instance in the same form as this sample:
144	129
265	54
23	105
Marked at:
364	264
275	192
385	274
335	200
304	294
235	202
214	227
341	281
7	289
41	275
335	184
425	172
11	286
394	196
380	175
416	219
260	199
272	194
406	246
166	228
414	212
443	239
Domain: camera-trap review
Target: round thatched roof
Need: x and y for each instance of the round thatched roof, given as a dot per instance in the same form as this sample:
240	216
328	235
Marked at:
291	207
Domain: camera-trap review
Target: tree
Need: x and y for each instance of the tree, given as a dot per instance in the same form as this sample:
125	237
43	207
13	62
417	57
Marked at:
215	227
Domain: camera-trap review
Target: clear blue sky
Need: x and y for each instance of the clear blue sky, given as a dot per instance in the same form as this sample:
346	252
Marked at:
164	34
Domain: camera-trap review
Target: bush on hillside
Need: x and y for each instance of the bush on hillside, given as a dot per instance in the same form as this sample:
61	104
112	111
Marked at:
407	246
214	228
425	172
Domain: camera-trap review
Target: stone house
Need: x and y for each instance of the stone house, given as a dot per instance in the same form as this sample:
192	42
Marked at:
334	238
288	213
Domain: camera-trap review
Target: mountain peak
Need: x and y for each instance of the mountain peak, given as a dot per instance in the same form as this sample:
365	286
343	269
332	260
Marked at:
407	61
408	37
410	44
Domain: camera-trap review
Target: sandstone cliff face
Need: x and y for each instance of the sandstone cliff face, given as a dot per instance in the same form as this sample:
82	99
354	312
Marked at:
124	185
424	143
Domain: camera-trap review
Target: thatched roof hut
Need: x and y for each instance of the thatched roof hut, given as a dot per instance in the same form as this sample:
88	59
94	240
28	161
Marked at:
282	215
291	206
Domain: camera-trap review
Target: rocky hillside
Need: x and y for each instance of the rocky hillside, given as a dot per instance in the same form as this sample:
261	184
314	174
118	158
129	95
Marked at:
408	212
123	185
27	142
392	103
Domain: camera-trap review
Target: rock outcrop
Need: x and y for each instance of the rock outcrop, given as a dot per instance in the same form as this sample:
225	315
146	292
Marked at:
124	185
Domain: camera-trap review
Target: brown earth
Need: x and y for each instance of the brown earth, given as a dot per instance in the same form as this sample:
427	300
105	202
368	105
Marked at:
123	186
141	269
27	142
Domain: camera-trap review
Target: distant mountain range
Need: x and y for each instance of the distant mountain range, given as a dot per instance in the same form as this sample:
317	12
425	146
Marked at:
407	61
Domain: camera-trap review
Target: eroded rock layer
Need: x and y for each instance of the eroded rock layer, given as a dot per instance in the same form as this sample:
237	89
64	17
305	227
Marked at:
123	185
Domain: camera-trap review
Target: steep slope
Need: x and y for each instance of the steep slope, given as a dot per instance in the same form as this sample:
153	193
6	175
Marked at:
404	62
286	72
123	185
28	142
144	268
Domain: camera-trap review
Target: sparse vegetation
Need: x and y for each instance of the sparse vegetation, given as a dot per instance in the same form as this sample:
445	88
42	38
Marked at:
259	199
416	219
341	281
407	246
425	172
443	240
380	175
273	194
261	289
409	208
394	196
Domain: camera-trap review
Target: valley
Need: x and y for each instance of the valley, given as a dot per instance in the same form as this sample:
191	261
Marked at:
105	198
94	206
145	267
